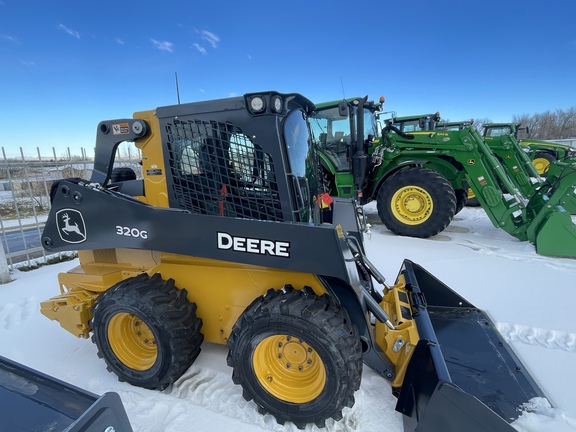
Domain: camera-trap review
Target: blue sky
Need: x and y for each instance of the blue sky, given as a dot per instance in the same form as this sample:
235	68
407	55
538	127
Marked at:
67	65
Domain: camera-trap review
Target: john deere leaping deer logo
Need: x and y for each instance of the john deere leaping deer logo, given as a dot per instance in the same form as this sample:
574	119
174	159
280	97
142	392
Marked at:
71	226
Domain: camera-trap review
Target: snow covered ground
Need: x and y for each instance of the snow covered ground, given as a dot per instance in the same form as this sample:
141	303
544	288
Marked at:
531	298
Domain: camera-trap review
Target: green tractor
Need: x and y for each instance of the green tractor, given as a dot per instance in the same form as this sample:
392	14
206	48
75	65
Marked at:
346	143
542	153
512	157
420	176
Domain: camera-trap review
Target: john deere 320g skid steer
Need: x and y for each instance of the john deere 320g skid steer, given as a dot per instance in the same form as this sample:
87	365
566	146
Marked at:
227	239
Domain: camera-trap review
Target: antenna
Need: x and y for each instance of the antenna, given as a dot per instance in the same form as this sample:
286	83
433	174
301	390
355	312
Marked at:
342	84
177	89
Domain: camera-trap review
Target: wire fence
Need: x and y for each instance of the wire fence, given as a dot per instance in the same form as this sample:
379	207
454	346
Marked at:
25	183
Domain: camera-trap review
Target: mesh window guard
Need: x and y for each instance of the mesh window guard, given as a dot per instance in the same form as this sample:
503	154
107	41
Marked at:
216	169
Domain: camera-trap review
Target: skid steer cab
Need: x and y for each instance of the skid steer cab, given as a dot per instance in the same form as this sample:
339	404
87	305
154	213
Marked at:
225	237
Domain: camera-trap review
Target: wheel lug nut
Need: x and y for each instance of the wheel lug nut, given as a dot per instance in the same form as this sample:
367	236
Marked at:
300	368
288	365
279	356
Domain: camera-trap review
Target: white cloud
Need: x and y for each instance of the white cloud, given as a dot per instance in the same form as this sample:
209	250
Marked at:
200	48
69	31
211	38
163	46
119	41
27	63
9	38
249	56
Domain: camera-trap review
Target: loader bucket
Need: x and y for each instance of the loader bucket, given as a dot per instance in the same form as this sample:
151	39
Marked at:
462	375
33	401
556	236
549	211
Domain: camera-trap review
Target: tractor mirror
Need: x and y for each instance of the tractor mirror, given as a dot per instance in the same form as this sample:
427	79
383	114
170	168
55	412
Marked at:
343	109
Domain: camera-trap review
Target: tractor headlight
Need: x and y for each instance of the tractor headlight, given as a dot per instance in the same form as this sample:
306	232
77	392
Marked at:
277	104
257	104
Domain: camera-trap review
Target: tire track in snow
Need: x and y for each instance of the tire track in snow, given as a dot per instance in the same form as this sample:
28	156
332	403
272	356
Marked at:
551	339
216	391
13	315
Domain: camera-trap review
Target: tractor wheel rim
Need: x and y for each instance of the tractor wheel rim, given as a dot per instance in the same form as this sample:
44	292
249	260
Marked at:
132	341
412	205
541	165
471	194
289	369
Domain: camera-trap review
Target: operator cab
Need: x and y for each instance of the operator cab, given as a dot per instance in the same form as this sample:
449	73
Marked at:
419	123
334	130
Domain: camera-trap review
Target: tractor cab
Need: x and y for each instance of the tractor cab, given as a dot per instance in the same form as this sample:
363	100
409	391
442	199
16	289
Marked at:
334	131
418	123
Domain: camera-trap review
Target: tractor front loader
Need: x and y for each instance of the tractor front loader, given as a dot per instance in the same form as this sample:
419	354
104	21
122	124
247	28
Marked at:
541	153
226	237
464	157
544	158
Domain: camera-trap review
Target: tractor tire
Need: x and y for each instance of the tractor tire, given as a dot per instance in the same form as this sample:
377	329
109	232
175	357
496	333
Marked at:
297	355
416	202
146	331
472	200
120	174
542	161
461	199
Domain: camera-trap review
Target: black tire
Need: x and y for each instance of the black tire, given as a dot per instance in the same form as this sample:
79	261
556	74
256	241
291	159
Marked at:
146	331
297	355
472	200
542	161
120	174
416	202
328	182
461	199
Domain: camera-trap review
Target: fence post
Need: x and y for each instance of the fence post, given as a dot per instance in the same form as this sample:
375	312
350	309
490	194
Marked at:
4	269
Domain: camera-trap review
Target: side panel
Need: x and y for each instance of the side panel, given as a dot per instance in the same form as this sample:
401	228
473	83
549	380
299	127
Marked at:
83	217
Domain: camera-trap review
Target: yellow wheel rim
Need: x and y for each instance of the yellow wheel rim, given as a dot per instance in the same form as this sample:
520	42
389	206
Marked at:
471	194
412	205
289	369
541	165
132	341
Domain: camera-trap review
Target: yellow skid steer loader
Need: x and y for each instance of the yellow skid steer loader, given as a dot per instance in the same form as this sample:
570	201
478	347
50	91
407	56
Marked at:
226	237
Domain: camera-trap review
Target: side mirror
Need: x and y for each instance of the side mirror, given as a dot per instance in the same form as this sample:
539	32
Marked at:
343	109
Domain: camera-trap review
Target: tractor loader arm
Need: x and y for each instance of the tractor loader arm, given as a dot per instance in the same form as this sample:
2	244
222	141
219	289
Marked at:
140	226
